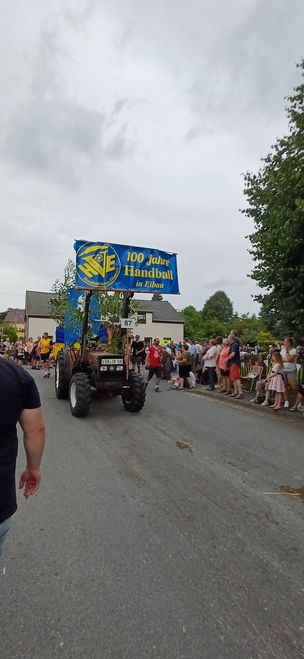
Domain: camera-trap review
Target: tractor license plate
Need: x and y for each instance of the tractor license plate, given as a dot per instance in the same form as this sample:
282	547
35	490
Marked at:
111	362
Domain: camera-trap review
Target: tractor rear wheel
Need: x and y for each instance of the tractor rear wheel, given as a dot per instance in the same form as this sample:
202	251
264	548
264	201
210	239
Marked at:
80	394
62	376
134	398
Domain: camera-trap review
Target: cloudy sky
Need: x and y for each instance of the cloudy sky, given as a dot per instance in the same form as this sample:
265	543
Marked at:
130	121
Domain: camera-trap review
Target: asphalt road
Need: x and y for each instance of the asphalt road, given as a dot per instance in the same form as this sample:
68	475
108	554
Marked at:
138	549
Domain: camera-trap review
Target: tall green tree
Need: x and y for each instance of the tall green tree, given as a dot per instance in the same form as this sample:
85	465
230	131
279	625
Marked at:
218	306
58	304
8	330
193	322
275	197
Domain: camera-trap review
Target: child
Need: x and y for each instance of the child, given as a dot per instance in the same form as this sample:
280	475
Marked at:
275	381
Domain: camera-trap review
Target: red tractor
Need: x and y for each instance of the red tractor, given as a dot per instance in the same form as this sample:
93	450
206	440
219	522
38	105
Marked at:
93	367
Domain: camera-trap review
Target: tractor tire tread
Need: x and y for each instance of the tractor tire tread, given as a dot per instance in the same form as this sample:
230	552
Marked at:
83	395
138	395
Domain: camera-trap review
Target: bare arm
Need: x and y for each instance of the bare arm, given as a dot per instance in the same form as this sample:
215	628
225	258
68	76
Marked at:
32	424
290	358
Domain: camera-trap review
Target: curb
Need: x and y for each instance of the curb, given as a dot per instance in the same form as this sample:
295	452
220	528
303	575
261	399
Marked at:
245	404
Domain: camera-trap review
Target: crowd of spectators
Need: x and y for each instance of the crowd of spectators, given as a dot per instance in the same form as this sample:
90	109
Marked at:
35	354
224	364
220	363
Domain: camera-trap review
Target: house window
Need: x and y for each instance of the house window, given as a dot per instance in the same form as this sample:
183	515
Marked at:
141	318
148	340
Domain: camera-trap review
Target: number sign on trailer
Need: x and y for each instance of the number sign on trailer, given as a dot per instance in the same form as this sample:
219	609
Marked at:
127	323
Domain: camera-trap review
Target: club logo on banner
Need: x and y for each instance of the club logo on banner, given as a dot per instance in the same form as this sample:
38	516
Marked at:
124	268
97	265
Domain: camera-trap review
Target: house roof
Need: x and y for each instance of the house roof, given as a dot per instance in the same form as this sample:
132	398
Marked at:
162	311
37	304
15	316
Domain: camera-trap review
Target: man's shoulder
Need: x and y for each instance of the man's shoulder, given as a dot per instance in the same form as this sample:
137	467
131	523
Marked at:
10	369
17	382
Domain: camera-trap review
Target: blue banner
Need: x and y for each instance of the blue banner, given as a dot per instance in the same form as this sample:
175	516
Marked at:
122	268
73	321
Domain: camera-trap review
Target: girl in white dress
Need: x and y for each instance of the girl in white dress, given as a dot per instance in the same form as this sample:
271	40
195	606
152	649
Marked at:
275	380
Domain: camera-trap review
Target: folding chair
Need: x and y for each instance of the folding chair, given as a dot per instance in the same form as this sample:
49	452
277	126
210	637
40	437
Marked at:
253	375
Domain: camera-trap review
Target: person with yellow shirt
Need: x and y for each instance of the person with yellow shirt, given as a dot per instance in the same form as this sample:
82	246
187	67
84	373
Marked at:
45	347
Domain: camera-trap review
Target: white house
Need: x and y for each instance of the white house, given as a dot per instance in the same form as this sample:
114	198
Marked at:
159	319
155	318
37	315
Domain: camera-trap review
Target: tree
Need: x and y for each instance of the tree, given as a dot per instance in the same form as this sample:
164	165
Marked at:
219	307
110	306
58	304
157	297
8	330
265	339
211	327
193	322
247	326
275	197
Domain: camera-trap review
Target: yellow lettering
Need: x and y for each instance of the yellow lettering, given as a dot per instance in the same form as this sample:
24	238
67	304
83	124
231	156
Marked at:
154	273
111	263
156	260
91	267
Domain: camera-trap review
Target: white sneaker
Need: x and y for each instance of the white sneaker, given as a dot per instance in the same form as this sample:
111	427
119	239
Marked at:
157	388
286	404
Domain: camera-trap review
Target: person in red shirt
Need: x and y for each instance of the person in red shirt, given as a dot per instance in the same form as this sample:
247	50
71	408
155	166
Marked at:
154	363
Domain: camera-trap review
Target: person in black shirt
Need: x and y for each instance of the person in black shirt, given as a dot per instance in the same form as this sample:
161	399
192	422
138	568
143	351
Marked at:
138	352
19	402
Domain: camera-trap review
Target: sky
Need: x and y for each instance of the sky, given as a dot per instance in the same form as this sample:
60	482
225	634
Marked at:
131	121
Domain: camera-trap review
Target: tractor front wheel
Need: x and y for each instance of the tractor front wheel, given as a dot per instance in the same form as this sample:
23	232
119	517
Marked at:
80	394
134	398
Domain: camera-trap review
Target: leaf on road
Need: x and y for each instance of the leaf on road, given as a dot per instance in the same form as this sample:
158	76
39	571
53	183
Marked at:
184	629
184	446
299	491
